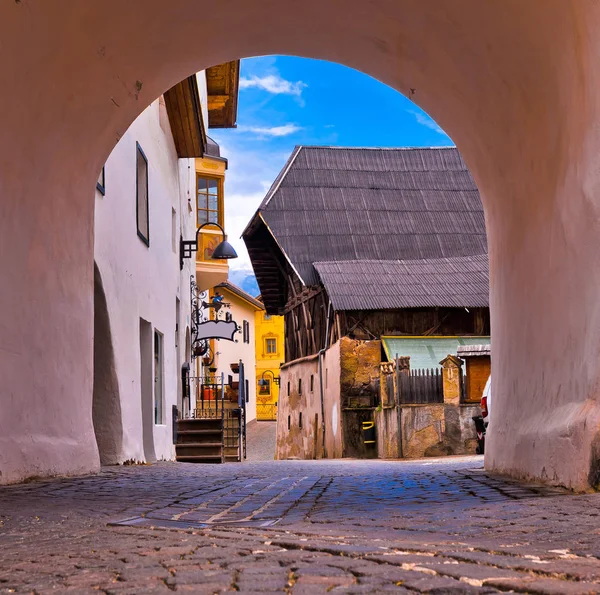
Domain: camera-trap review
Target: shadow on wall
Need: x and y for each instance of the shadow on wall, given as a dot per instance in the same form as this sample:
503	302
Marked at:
106	404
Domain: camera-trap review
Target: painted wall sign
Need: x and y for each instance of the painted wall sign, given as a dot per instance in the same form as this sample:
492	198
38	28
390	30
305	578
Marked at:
217	329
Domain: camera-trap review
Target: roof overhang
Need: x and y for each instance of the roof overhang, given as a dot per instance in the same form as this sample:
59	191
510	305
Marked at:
222	87
185	117
241	294
270	264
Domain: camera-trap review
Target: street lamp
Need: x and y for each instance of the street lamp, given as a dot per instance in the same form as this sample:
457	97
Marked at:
264	382
224	251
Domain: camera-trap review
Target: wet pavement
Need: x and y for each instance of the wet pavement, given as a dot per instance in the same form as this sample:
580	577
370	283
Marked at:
427	526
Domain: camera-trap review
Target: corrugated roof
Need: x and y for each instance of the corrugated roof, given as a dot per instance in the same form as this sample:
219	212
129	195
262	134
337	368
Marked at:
341	204
474	350
425	352
460	282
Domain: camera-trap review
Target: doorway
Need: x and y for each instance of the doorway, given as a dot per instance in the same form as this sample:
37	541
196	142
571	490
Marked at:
159	406
146	385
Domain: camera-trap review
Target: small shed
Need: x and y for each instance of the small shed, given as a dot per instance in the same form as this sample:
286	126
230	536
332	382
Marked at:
478	365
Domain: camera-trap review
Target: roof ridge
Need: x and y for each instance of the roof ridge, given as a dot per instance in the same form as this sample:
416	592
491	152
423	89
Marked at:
404	148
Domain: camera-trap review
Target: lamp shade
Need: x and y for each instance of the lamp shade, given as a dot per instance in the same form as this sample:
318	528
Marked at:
224	251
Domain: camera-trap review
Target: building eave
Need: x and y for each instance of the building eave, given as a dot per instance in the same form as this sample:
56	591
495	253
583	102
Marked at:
185	117
241	294
222	86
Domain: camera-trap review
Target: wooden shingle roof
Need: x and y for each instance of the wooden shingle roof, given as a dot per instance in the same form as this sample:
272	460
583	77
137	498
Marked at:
458	282
332	204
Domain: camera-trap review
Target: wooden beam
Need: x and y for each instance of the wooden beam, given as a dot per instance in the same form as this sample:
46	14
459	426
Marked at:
304	296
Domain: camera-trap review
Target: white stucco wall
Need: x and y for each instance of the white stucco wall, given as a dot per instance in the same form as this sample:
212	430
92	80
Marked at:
229	352
145	281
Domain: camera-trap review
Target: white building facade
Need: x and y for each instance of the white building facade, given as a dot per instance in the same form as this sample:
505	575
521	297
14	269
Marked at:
146	202
242	308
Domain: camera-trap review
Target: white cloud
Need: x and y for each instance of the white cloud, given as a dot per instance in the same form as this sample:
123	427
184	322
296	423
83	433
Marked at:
250	174
423	119
273	83
273	131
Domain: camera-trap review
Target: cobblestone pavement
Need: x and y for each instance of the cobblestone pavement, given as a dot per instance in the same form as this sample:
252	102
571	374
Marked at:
260	442
429	526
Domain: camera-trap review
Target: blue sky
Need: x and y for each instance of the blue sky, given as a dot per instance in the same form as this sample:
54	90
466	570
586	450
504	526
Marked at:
286	101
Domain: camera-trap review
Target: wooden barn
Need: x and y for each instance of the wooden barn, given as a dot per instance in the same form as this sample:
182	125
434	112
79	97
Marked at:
370	255
372	243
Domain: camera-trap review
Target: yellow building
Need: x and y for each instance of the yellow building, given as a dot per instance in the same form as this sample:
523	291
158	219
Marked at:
269	356
222	84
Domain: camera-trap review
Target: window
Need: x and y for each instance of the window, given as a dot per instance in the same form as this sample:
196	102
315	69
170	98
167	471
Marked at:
271	345
246	331
264	387
288	389
141	188
100	184
267	317
208	200
300	420
299	386
312	383
289	422
247	383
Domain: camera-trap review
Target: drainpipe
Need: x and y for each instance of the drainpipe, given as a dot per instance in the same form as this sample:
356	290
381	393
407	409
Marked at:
320	356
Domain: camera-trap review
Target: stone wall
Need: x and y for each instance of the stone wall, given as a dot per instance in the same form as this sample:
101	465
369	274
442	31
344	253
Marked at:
438	430
359	374
299	411
388	436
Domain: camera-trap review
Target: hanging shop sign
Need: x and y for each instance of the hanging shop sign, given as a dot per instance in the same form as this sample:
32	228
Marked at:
217	329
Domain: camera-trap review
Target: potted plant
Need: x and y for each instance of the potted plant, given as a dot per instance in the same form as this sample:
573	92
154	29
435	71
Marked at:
235	368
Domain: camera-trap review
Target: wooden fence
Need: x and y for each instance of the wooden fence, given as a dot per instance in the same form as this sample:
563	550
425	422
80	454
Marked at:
421	387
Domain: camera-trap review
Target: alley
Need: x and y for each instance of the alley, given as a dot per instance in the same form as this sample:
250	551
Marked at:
431	526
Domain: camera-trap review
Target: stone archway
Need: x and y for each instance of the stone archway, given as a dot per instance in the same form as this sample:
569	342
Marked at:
513	83
106	401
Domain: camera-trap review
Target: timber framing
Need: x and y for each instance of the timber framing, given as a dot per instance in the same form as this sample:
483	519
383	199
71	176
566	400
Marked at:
185	117
301	298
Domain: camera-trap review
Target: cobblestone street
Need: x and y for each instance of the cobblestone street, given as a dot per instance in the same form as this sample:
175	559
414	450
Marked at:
427	526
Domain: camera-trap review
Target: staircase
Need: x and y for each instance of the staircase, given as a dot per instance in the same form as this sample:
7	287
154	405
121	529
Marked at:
212	438
200	441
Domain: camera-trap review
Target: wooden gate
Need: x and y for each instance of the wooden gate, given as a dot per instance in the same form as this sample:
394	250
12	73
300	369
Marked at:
421	387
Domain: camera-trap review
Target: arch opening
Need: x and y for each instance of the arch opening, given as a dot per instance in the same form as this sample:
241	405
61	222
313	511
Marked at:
512	84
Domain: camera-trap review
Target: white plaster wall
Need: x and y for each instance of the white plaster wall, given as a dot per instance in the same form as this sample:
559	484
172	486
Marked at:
203	93
231	352
514	83
332	370
144	281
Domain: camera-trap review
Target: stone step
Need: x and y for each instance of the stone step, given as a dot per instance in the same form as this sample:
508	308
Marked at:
199	424
199	459
199	436
200	450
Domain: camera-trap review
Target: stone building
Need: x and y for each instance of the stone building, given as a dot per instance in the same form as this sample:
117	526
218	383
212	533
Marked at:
369	254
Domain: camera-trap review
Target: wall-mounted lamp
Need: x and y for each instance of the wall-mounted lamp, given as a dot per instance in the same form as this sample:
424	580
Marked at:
224	251
264	382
